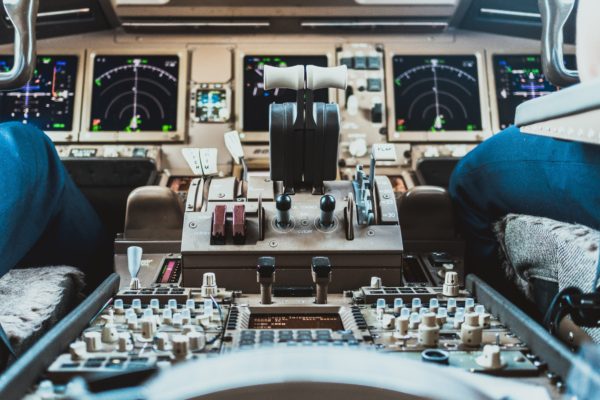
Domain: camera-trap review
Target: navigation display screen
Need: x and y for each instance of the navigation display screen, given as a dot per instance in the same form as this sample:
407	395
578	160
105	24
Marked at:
134	93
296	321
436	93
257	100
520	78
47	101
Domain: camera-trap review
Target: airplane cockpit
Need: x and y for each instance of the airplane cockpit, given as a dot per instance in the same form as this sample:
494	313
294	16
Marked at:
334	199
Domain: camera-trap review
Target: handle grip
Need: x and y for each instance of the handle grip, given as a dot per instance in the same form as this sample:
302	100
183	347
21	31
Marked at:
554	15
284	77
331	77
22	15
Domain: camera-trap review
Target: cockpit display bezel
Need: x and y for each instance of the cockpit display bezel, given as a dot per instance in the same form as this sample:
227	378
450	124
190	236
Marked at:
314	49
522	50
448	136
73	134
178	135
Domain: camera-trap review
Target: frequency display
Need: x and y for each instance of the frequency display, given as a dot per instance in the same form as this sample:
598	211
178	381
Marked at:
296	321
520	78
47	101
436	93
134	94
257	100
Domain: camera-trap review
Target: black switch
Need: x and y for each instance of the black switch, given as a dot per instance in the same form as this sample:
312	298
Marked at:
321	266
374	62
266	267
377	113
360	63
347	61
374	85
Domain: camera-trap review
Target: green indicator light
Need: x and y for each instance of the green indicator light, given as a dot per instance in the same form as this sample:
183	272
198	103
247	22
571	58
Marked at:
57	125
98	82
470	128
531	59
398	82
46	60
95	128
167	128
144	61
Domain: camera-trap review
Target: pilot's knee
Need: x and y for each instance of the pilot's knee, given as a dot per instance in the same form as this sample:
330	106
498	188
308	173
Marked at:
20	143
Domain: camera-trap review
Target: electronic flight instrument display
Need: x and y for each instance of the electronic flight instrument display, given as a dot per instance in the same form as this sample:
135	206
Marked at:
436	93
257	100
520	78
134	93
47	101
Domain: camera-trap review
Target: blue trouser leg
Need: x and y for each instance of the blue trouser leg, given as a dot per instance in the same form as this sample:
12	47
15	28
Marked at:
44	218
526	174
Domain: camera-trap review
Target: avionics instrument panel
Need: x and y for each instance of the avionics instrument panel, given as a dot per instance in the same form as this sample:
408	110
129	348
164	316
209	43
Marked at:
142	96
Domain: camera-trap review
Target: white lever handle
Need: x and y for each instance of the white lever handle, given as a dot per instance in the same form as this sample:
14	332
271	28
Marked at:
321	78
134	260
284	78
234	145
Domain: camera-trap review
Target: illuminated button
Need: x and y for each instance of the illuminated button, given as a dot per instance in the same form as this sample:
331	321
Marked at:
360	62
451	305
469	305
190	304
347	61
118	306
434	304
374	62
416	304
374	85
398	304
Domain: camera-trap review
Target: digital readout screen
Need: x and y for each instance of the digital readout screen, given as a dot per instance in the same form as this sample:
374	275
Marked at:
296	321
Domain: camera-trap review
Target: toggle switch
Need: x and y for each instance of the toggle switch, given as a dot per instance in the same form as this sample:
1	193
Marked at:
283	204
265	276
218	226
238	224
321	274
327	205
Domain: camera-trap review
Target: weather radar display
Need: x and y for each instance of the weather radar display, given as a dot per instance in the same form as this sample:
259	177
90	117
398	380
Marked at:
520	78
47	101
436	93
257	100
134	94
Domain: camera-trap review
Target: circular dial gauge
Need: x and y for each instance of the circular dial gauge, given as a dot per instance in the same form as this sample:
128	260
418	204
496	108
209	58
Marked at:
135	93
436	93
